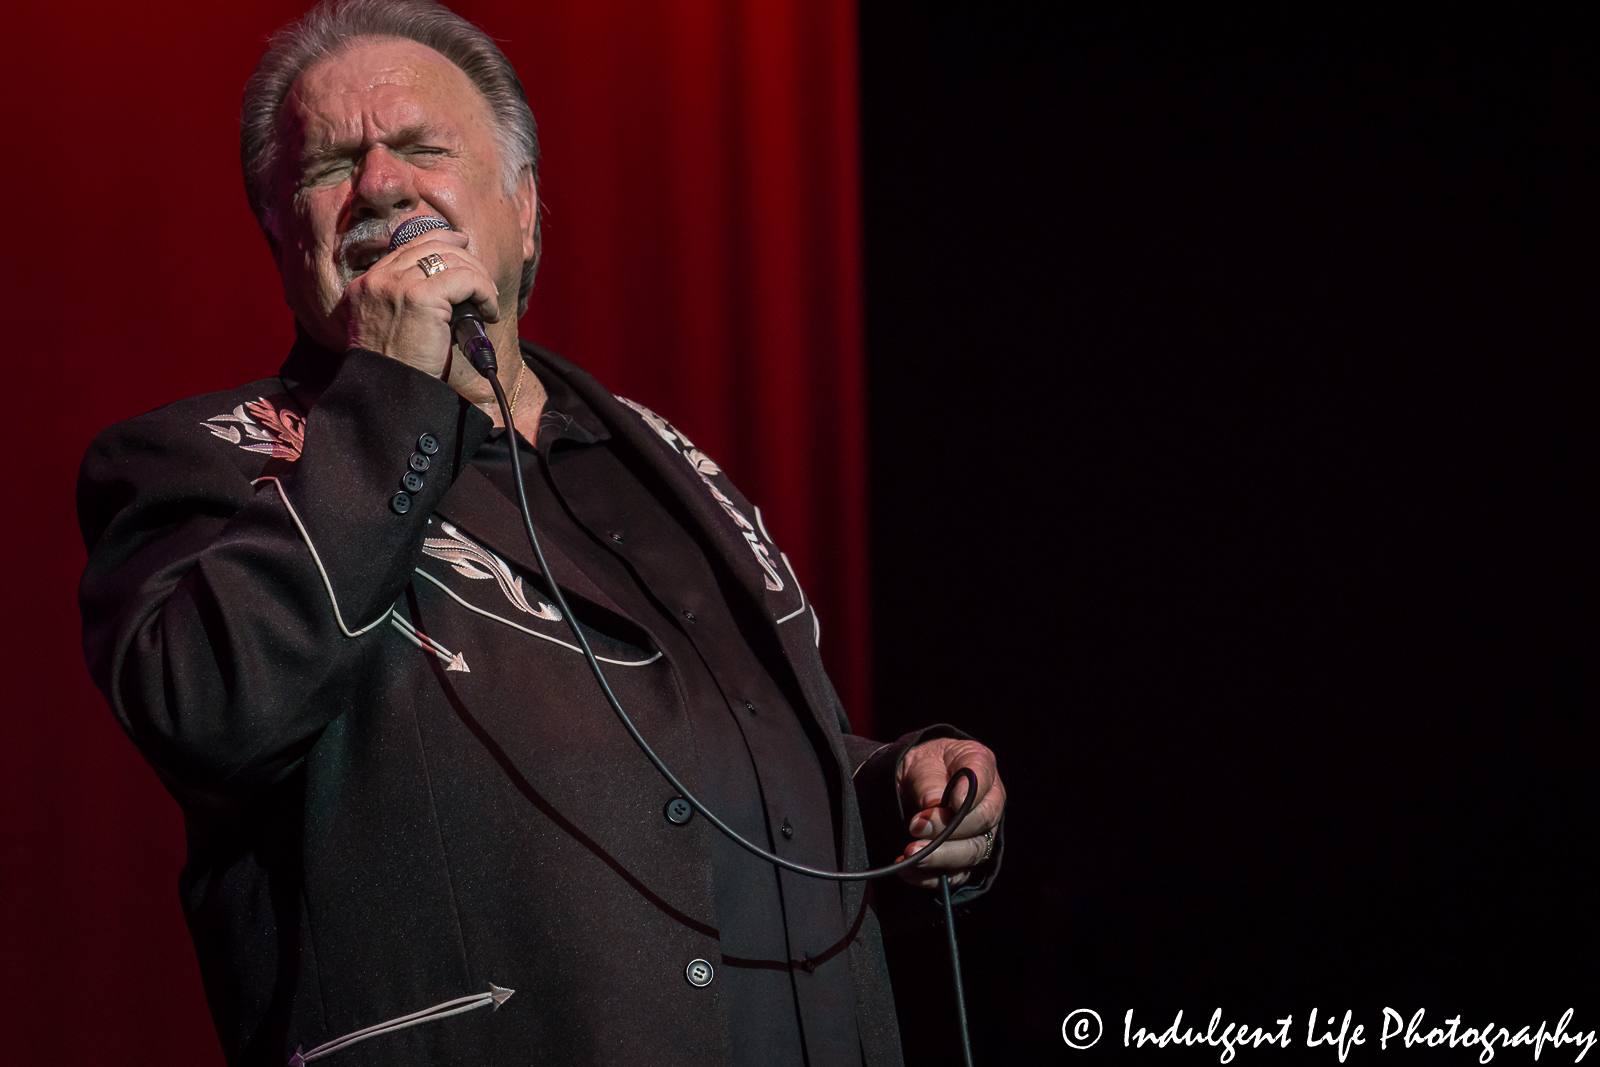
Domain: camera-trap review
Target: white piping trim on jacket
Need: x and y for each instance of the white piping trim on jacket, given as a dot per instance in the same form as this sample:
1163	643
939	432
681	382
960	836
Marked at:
868	760
534	633
763	528
790	568
317	559
496	996
453	661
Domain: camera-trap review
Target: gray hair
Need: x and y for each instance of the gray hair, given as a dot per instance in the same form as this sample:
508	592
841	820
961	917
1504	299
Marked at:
335	25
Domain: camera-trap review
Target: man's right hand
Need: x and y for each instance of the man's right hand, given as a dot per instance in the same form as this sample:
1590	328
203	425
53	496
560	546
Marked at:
398	310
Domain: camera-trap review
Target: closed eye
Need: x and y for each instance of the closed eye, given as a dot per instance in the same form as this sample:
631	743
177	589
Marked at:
428	153
328	172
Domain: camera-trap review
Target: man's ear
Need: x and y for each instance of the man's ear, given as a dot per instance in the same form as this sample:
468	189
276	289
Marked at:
527	196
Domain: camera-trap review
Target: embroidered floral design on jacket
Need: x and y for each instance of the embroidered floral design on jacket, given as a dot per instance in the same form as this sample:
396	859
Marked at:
472	560
276	432
705	467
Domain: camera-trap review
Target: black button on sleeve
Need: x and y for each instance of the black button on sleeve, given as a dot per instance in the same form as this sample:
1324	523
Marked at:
679	811
412	482
427	444
419	462
786	830
400	502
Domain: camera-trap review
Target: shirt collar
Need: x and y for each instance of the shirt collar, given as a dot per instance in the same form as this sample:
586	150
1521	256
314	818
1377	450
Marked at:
567	418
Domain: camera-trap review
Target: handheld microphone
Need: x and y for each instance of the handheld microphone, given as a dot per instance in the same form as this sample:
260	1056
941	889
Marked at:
466	322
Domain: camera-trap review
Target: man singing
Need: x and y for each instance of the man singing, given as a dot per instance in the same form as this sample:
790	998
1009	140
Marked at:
417	833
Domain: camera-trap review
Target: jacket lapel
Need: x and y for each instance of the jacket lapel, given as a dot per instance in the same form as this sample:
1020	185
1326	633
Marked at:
719	530
709	519
477	506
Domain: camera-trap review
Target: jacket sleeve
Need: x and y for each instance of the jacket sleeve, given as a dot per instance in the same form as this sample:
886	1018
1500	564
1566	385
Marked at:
886	824
228	611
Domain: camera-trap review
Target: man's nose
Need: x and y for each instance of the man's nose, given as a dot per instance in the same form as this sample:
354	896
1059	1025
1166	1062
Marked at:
383	185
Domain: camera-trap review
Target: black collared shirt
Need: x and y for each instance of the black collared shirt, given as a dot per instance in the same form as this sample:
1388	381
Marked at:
784	972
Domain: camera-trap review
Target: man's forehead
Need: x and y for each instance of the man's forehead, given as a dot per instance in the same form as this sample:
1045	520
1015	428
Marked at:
389	82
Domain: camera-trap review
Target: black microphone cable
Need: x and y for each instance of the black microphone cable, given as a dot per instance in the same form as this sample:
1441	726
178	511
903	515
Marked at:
468	332
733	835
650	754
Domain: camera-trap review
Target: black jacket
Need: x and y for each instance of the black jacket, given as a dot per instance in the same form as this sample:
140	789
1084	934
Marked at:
398	790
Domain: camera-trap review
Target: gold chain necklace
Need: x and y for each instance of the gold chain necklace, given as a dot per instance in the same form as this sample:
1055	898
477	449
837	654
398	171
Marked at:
516	394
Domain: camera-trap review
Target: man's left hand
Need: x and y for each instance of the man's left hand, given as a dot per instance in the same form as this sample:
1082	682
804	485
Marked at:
924	772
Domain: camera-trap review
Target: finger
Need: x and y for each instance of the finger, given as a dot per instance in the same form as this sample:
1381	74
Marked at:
463	280
471	284
436	238
985	816
929	767
450	237
926	874
440	241
956	854
395	260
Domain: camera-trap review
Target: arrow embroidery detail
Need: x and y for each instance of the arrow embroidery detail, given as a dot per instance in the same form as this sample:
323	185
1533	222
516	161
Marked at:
453	661
474	561
274	432
496	996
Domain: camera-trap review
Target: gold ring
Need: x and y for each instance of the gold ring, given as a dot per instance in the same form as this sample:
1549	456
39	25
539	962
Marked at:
432	264
988	846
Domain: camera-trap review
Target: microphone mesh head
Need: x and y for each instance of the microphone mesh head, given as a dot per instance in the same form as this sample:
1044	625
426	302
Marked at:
415	227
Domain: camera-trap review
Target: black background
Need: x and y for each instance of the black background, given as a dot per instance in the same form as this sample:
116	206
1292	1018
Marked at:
1231	392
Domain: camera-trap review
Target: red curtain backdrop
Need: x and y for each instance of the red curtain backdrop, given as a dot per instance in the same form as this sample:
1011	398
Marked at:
702	255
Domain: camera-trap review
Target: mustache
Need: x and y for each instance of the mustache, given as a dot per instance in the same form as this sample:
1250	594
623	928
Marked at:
365	232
